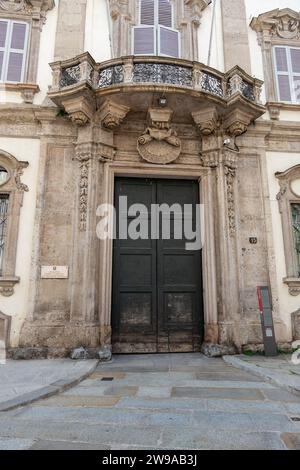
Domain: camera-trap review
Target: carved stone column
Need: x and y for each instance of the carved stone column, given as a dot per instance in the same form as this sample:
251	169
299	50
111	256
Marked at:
84	306
223	326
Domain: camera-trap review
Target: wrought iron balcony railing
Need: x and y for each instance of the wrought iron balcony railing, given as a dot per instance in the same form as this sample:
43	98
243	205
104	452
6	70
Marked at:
130	71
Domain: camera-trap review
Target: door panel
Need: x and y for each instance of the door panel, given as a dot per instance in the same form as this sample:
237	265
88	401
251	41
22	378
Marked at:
157	285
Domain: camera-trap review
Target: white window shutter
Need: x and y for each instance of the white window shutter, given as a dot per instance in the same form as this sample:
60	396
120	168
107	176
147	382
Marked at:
284	88
144	40
282	72
3	33
296	84
295	59
281	59
3	38
165	13
17	52
147	12
168	42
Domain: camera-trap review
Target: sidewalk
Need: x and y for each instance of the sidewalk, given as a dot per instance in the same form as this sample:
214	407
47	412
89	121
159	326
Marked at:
279	370
23	382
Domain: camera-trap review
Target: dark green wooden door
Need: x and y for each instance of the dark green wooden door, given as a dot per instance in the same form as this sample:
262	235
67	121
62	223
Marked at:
157	284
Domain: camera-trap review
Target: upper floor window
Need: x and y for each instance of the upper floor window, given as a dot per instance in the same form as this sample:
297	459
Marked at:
13	50
155	34
287	63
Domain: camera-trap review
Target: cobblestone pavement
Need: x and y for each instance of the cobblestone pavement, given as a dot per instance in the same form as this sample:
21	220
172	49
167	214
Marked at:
178	401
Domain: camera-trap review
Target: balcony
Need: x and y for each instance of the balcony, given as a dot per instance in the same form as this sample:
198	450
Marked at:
84	81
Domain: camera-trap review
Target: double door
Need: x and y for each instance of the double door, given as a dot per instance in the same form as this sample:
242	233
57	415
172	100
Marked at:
157	280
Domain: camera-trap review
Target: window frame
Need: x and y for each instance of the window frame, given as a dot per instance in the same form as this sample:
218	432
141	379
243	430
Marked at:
294	234
157	31
289	73
286	198
8	50
14	189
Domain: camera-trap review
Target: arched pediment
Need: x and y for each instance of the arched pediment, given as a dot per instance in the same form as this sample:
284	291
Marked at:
283	23
290	174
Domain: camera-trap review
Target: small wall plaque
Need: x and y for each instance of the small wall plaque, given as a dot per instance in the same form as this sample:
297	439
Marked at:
54	272
253	240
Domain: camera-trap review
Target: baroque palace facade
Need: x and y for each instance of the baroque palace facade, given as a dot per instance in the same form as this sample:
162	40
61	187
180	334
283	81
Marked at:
159	100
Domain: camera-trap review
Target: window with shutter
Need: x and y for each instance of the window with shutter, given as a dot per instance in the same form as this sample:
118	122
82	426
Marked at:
13	48
287	64
156	35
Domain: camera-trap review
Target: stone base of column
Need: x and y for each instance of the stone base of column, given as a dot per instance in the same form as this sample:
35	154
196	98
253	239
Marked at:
211	333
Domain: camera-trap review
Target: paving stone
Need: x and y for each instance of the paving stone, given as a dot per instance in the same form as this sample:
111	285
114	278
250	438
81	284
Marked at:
155	392
103	390
89	415
120	391
226	375
191	438
61	431
291	440
293	408
245	405
87	390
63	445
15	444
238	393
277	394
69	400
211	420
162	403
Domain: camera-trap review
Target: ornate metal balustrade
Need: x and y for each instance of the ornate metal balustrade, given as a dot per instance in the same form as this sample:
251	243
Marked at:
155	71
